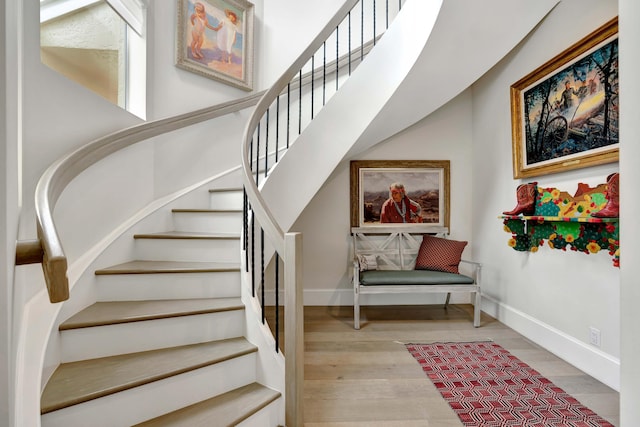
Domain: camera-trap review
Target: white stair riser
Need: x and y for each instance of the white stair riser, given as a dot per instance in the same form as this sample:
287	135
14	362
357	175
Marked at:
226	199
208	222
200	250
137	287
270	415
160	397
110	340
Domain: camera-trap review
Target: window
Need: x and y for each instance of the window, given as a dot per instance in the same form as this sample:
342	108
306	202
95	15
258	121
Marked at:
98	44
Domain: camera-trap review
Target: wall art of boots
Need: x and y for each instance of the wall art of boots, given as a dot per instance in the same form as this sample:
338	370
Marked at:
612	208
526	199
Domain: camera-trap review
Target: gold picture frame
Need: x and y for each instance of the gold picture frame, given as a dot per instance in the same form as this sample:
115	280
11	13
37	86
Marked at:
215	40
564	114
426	184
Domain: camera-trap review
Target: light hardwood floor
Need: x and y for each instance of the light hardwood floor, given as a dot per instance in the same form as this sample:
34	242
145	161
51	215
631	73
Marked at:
367	378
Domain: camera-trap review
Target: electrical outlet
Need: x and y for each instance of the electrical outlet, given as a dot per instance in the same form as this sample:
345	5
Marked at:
594	336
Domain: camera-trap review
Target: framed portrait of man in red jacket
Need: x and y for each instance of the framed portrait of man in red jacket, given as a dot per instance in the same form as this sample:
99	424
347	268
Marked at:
387	193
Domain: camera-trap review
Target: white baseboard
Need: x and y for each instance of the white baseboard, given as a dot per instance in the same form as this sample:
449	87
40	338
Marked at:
596	363
336	297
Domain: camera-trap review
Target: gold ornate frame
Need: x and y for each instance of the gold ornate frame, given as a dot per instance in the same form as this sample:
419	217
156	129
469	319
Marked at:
566	68
424	180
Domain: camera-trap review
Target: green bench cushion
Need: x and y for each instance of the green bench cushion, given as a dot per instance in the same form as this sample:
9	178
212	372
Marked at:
412	277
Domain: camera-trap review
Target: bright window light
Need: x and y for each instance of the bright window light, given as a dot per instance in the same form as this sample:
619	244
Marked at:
93	43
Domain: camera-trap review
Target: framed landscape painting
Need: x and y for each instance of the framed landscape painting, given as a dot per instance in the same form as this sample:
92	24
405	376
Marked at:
215	39
564	115
388	193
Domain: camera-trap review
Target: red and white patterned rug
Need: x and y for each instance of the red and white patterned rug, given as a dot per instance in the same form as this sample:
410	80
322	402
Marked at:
488	386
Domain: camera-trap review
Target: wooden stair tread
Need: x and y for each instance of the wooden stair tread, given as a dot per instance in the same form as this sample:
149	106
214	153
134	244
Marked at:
150	267
205	210
228	409
187	235
222	190
117	312
78	382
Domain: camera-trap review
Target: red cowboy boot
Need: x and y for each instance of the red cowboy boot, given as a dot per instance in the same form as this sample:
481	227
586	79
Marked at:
612	208
526	195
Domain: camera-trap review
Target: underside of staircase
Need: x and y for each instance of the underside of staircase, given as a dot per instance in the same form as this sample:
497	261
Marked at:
165	342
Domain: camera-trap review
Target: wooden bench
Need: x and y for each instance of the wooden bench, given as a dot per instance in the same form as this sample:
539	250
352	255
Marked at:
395	250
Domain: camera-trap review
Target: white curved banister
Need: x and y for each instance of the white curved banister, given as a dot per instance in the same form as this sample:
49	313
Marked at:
48	248
259	208
265	218
56	178
289	246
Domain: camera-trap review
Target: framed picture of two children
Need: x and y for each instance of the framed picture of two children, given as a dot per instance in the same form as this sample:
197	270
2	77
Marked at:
215	39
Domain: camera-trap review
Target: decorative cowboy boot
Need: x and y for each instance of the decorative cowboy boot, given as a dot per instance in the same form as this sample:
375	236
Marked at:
526	195
612	208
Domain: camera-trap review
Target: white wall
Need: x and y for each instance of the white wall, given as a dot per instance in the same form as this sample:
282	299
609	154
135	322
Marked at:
444	135
5	294
551	296
630	182
9	54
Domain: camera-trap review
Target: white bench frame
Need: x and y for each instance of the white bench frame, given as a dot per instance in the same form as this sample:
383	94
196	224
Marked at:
396	248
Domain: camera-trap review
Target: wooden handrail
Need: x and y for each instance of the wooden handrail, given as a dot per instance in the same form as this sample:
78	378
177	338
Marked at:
48	249
29	252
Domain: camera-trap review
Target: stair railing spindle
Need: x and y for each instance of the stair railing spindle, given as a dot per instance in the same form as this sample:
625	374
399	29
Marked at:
266	144
300	102
374	22
277	125
324	73
386	20
245	229
313	68
349	37
288	113
277	303
257	171
253	257
262	290
361	31
337	54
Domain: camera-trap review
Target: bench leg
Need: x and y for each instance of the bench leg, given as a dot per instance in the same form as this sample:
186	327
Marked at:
356	309
446	302
477	308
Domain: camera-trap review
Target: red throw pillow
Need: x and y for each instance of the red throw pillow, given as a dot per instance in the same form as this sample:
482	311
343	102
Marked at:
439	254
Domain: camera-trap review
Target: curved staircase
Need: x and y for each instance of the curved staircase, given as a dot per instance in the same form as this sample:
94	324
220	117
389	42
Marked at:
165	342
